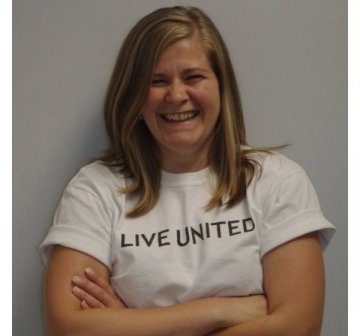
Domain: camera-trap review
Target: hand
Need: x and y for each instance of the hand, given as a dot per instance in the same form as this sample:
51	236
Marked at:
252	306
94	291
237	310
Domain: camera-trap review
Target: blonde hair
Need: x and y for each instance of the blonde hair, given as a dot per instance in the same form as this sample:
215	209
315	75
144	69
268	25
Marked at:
133	150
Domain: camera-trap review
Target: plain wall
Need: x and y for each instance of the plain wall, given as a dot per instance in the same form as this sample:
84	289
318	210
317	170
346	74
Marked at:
291	60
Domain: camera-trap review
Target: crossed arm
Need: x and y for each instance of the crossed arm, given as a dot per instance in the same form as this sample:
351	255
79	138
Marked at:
294	284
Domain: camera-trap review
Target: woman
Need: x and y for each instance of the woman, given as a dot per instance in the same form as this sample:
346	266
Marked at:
182	228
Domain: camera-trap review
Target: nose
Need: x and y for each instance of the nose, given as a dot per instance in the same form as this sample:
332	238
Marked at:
177	93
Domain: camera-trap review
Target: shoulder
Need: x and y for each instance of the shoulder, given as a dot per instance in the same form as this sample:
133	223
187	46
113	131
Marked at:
98	180
97	174
278	176
274	165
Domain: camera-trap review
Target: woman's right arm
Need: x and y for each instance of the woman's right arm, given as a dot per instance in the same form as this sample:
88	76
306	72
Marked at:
66	317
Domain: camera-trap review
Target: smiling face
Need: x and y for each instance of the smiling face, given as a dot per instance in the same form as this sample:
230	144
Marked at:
183	106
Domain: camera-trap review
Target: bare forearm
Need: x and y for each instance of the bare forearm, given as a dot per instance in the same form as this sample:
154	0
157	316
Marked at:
192	318
104	314
272	325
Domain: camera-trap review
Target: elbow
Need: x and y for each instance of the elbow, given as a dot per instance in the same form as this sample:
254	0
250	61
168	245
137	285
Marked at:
63	324
300	327
55	329
294	322
310	326
308	331
313	329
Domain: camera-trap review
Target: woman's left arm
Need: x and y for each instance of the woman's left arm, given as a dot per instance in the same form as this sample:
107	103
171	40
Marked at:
294	281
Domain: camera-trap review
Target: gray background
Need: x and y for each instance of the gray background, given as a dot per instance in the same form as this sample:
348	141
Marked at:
291	60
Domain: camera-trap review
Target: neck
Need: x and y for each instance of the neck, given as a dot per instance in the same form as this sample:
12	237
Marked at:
182	163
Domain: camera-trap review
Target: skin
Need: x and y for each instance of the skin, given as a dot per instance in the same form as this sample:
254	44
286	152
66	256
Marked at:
183	81
295	286
67	315
293	281
79	298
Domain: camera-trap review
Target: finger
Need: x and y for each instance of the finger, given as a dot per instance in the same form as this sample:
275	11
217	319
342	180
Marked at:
95	292
100	281
91	302
84	305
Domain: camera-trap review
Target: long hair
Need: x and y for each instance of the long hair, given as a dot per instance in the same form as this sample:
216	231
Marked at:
133	150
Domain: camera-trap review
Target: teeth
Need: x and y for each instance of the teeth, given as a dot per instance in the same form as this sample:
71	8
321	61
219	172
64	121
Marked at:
179	116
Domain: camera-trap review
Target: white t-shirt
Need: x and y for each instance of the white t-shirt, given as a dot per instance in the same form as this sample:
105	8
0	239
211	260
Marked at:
178	251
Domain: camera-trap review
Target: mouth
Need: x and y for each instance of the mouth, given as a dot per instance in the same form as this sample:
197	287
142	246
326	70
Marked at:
181	116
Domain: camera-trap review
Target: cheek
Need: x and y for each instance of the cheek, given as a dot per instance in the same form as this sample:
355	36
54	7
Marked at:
153	101
150	112
210	98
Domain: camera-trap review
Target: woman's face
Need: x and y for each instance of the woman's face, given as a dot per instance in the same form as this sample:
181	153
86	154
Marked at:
183	106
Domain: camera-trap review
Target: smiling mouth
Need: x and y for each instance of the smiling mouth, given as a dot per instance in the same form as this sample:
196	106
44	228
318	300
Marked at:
182	116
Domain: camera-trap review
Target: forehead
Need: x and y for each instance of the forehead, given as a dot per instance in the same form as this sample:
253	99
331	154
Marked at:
188	52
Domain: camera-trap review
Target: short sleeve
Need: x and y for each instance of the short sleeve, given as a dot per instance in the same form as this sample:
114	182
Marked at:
292	210
82	222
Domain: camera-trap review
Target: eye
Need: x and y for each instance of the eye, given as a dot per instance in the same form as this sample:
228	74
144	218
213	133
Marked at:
194	78
158	82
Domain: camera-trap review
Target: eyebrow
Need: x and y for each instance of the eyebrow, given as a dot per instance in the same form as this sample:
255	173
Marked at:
186	71
196	69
